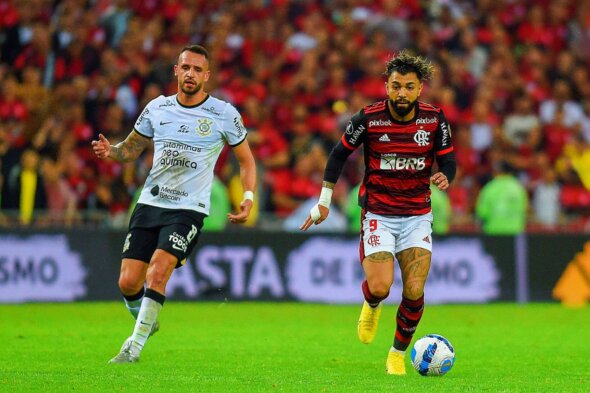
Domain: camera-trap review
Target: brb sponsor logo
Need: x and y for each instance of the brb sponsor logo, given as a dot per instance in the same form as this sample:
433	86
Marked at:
392	161
40	268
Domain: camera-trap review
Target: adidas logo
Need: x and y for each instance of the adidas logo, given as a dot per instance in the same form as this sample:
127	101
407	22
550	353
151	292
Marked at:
573	287
384	138
426	239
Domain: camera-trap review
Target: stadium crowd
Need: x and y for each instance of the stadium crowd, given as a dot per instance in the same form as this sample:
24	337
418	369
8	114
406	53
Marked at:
512	76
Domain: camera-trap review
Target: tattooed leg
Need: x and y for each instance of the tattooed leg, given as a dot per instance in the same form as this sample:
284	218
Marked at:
414	264
379	272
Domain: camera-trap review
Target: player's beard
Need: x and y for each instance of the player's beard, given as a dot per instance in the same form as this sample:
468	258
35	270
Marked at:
191	91
402	111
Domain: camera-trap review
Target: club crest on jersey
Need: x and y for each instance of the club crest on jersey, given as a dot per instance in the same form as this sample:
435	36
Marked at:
204	127
421	137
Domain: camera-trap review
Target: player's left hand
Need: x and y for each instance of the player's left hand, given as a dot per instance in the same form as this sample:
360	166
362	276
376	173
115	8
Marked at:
440	181
323	214
242	216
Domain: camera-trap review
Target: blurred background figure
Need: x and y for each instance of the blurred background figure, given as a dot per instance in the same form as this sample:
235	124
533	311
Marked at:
502	204
25	188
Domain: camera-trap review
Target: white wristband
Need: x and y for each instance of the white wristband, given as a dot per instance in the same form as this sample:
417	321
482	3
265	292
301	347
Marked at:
326	197
248	195
314	213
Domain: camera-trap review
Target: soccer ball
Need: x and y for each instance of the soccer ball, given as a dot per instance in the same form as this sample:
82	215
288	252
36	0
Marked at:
433	355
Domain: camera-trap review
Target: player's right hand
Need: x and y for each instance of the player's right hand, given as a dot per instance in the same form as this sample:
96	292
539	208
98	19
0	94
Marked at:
242	215
101	147
314	218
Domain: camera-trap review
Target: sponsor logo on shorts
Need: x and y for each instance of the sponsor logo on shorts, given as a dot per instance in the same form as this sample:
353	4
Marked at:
178	241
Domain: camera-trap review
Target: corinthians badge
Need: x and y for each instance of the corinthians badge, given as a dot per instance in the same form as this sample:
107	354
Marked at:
204	127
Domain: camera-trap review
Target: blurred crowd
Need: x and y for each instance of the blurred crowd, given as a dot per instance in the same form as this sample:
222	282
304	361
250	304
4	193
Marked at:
512	76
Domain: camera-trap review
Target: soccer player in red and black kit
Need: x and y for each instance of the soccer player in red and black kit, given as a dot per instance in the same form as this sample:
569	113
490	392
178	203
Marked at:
402	138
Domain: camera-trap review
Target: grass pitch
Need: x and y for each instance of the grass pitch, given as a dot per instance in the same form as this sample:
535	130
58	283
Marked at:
283	347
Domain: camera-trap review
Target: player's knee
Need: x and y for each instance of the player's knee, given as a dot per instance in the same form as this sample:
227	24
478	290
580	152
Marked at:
380	288
414	292
129	286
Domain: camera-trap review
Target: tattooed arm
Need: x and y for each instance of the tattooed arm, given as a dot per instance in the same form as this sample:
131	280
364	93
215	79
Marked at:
125	151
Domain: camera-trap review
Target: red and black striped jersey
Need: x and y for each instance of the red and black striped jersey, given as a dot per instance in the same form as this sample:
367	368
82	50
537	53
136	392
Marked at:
398	157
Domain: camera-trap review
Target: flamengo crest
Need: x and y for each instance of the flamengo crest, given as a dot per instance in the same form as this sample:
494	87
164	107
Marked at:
421	137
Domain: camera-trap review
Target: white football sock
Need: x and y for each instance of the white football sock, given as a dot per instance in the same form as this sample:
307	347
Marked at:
148	315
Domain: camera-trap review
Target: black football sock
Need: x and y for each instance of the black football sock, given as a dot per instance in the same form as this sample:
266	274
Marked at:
408	317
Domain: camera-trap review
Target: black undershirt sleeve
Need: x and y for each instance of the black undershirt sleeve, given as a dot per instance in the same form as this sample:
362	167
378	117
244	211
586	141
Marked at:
336	162
447	165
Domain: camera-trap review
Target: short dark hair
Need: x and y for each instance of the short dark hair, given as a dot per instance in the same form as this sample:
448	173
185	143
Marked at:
405	63
198	49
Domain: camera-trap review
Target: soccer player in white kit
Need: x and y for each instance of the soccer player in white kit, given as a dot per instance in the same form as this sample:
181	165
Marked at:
402	138
189	130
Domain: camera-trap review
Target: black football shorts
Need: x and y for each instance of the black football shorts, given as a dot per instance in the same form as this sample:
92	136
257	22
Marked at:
174	230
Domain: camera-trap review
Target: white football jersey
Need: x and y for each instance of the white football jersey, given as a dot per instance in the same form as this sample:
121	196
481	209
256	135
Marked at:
187	143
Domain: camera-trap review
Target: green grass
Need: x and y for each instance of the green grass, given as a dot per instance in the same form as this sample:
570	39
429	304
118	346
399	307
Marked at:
281	347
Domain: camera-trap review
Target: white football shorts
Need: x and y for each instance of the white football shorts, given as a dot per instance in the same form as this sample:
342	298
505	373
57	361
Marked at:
395	234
